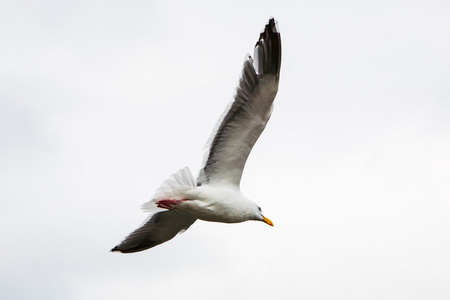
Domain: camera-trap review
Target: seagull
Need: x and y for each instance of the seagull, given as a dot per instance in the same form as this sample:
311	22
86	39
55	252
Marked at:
215	196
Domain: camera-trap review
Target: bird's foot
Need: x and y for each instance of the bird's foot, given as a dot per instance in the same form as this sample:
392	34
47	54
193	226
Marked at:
168	203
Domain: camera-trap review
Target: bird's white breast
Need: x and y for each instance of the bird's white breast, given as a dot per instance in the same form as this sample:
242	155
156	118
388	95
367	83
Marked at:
217	203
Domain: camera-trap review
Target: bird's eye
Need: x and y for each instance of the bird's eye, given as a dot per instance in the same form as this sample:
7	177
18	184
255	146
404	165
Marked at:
259	208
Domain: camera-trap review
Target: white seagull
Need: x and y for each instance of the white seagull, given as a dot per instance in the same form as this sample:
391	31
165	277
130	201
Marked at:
215	195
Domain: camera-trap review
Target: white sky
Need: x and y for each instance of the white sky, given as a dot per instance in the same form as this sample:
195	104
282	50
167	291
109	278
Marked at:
100	102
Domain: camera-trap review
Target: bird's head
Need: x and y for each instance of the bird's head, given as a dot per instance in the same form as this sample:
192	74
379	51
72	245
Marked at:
260	217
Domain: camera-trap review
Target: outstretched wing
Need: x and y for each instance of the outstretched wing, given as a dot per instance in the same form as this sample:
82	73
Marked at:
160	228
248	114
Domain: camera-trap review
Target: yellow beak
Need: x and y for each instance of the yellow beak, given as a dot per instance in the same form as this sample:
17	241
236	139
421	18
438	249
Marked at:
267	221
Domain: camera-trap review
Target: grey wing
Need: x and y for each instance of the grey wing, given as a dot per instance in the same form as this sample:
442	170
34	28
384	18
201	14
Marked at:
160	228
248	114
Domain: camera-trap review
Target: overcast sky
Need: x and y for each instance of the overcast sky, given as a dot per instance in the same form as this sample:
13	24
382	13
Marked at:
101	101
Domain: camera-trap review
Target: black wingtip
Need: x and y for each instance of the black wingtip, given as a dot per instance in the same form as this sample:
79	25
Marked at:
270	47
273	24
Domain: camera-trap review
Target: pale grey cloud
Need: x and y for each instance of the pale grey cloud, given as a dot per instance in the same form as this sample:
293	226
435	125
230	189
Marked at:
101	102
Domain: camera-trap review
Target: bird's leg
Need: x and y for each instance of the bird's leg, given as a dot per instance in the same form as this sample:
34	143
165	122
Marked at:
168	203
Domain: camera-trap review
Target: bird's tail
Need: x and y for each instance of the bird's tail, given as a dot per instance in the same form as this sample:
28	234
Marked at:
173	188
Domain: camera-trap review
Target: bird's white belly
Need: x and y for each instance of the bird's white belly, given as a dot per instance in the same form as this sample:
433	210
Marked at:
229	207
211	211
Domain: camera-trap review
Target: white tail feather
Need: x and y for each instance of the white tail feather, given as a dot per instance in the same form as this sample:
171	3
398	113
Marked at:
173	188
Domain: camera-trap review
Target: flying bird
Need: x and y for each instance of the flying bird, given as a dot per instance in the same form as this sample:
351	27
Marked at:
215	195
